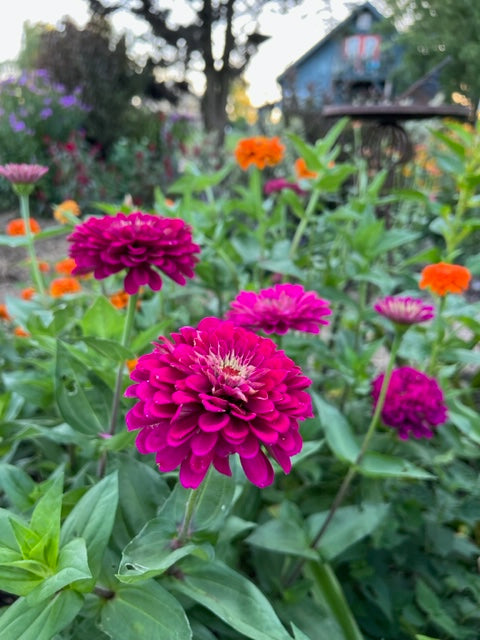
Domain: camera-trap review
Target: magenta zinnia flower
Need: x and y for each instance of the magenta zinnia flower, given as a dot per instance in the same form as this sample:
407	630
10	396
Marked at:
414	403
140	243
279	184
215	391
279	309
404	310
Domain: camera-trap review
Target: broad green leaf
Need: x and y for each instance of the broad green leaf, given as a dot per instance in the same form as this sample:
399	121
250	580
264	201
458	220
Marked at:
92	519
42	621
381	465
283	536
338	433
231	597
298	634
34	386
45	522
349	525
17	485
103	320
465	419
431	604
108	348
83	399
144	612
72	567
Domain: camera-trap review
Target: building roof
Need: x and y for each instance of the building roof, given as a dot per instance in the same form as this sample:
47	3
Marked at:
366	6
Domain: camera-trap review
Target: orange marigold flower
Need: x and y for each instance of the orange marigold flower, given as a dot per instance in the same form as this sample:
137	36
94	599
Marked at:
61	286
28	293
20	332
67	206
302	171
4	315
43	266
66	266
119	299
443	278
260	151
131	364
16	227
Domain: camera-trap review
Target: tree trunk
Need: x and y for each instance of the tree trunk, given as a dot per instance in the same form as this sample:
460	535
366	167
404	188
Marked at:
214	102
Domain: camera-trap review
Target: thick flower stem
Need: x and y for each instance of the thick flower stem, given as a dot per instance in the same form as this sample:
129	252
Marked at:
25	213
190	508
312	203
127	330
352	472
438	338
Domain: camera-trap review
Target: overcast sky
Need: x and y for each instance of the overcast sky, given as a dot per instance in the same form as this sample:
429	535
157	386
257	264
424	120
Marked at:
290	35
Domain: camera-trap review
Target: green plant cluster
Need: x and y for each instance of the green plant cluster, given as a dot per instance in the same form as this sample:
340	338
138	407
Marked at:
96	543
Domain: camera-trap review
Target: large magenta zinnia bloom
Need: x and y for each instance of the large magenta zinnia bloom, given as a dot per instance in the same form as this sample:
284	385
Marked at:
140	243
215	391
279	309
414	404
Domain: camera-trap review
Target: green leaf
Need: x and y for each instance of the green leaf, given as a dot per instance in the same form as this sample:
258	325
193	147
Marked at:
298	634
231	597
103	320
45	522
17	485
92	519
83	399
72	567
338	433
381	465
328	589
465	419
108	348
431	604
144	612
41	622
349	525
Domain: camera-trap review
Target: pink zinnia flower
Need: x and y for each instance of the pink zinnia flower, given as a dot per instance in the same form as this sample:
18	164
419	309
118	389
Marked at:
414	403
279	184
279	309
23	173
139	243
404	310
215	391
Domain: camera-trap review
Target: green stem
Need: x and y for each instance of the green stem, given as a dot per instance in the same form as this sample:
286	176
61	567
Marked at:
438	338
25	213
352	472
127	330
312	203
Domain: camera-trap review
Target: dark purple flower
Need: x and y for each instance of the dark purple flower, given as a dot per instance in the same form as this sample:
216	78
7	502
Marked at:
404	310
414	404
68	101
279	309
279	184
216	391
141	243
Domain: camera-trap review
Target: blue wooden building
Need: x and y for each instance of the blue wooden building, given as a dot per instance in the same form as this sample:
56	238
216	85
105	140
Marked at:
348	66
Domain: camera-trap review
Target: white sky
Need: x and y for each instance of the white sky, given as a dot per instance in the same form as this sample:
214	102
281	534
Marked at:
291	35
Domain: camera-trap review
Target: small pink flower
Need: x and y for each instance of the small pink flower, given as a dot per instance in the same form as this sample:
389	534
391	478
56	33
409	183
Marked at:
279	309
404	310
140	243
215	391
414	404
279	184
22	173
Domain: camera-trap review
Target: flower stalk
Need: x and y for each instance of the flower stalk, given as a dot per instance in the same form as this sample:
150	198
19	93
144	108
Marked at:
25	213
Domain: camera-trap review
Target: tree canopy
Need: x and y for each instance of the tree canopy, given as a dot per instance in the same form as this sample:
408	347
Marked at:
217	40
433	31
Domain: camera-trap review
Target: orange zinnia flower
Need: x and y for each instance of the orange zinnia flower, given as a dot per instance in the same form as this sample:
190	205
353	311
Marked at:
131	364
65	266
16	227
28	293
67	206
119	299
20	333
260	151
43	266
443	278
61	286
4	315
302	170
